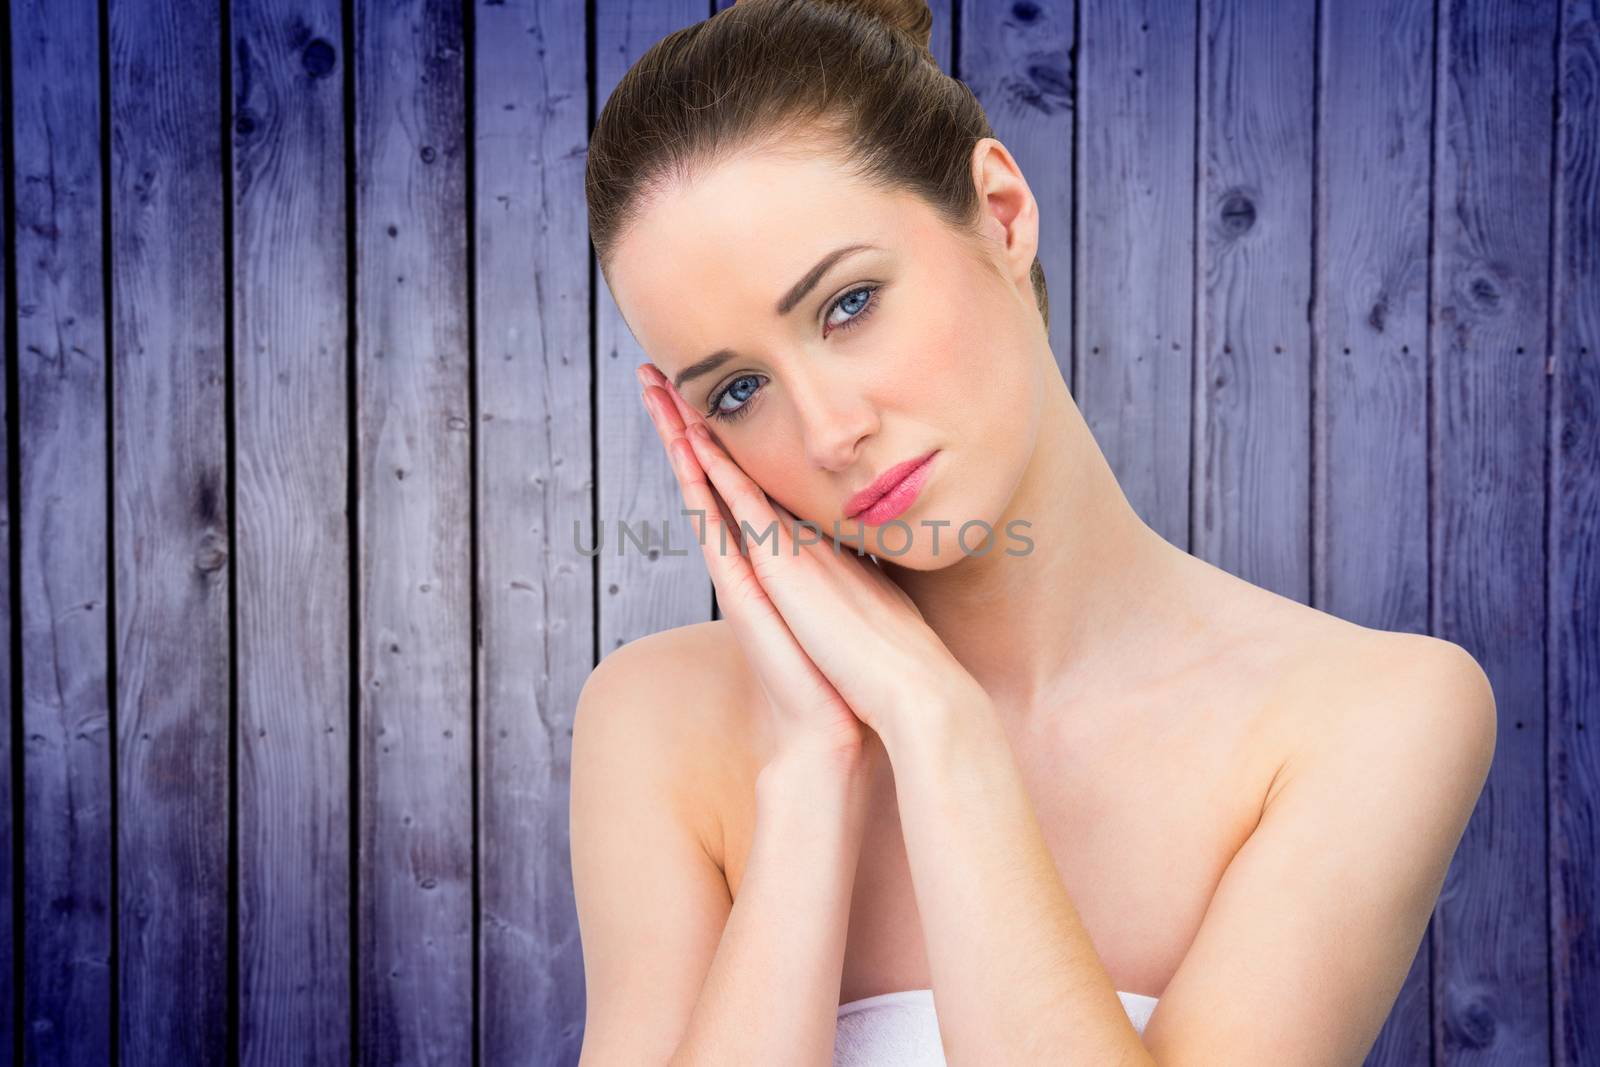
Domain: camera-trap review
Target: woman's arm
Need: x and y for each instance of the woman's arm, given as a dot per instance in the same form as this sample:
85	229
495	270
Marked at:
676	970
1015	976
1309	934
772	994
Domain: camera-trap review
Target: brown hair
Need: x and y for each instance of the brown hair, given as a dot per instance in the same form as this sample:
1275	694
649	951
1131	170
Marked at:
765	73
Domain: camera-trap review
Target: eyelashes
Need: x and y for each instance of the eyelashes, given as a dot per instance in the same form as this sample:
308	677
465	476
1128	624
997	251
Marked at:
864	311
734	414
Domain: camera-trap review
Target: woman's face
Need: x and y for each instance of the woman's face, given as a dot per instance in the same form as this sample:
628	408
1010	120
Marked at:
909	341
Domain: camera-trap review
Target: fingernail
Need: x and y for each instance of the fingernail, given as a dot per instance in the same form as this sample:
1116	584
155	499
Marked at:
700	431
640	373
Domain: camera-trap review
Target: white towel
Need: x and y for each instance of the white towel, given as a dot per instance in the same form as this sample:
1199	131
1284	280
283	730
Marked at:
901	1029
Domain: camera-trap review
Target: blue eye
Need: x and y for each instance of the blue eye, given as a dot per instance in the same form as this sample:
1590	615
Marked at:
858	309
734	387
858	302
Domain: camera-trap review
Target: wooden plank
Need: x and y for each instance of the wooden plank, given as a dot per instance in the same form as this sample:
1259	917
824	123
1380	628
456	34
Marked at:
1252	453
11	935
414	550
1135	302
1574	627
535	482
1370	325
1489	330
291	464
61	536
1018	62
641	590
171	524
942	41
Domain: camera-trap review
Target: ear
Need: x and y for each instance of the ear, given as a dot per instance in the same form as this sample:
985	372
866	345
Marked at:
1010	215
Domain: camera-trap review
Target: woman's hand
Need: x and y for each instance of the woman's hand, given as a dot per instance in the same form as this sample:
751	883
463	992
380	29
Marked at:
848	626
811	718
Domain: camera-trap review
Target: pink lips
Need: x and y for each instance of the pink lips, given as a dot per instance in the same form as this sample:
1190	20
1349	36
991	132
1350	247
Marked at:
892	493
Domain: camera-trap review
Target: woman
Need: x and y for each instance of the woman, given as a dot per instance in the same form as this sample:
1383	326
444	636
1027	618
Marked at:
1096	799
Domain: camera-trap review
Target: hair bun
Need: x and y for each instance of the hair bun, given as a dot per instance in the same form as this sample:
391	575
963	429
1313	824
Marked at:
913	18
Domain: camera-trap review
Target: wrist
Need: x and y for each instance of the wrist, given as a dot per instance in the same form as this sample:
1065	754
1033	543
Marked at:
820	797
828	771
935	710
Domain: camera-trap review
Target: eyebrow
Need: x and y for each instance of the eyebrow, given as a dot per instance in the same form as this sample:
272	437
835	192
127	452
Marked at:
785	305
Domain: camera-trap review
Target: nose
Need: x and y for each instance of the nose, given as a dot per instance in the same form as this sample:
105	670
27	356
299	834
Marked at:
834	418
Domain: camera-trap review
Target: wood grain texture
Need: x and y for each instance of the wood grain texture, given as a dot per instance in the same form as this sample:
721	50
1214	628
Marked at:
1136	249
14	988
1018	61
415	882
1251	461
1491	220
1573	744
1370	345
171	498
652	573
291	468
535	481
61	537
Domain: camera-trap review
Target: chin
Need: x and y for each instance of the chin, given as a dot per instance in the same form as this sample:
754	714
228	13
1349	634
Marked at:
919	552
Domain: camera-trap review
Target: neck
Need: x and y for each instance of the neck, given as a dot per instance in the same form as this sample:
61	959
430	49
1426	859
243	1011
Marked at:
1035	625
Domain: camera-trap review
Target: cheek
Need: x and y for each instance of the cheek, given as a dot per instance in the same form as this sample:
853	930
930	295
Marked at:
780	472
952	363
954	379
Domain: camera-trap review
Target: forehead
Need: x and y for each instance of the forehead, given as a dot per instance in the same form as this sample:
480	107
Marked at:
718	250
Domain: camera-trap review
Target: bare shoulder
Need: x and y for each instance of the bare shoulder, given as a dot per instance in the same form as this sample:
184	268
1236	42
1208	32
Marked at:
652	897
1421	703
680	697
1312	652
1390	740
1330	685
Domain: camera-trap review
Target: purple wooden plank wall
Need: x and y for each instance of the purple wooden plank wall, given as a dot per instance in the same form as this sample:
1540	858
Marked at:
535	482
1370	354
304	287
416	881
291	457
171	543
1489	296
1572	581
61	543
11	810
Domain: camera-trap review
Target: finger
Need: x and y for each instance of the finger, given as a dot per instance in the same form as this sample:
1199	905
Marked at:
670	412
815	536
686	412
745	499
720	541
757	624
670	429
663	413
681	415
688	419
